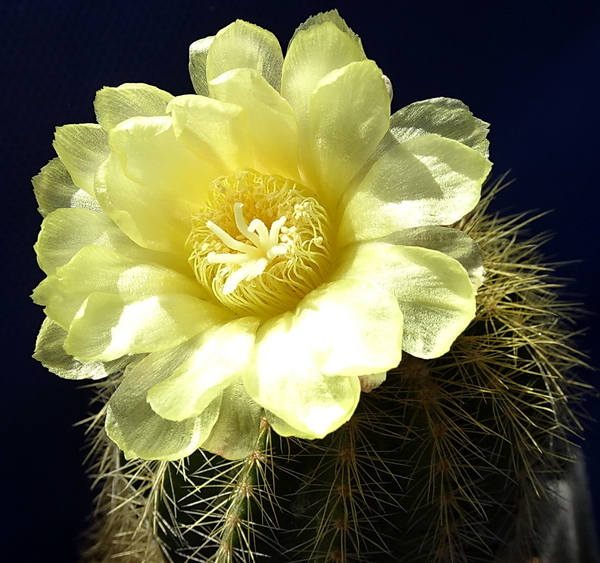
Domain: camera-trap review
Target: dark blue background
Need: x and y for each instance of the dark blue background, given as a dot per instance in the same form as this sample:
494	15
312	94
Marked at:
530	68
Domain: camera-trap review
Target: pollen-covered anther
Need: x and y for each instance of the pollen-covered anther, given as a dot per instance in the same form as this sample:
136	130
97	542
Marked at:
267	265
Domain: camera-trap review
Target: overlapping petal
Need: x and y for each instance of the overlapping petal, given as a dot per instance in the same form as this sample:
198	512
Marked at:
270	120
137	429
434	292
221	356
426	180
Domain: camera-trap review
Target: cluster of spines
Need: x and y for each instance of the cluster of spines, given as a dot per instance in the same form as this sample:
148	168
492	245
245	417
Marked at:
450	461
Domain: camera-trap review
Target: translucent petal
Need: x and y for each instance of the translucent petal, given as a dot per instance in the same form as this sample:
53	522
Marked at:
151	218
349	114
66	231
54	188
284	429
446	117
245	45
270	120
433	290
108	325
82	148
151	155
454	243
350	328
138	430
331	16
214	131
426	180
315	51
115	105
235	434
285	380
50	352
197	65
219	359
96	268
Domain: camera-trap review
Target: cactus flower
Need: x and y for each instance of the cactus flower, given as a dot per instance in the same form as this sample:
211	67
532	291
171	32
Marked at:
268	245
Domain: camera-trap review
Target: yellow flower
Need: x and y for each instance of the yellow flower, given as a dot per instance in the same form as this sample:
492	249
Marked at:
271	243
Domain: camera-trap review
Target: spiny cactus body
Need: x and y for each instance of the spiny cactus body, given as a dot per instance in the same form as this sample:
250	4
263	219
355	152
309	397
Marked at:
451	460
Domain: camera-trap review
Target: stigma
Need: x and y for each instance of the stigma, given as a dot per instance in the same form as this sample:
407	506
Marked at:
252	258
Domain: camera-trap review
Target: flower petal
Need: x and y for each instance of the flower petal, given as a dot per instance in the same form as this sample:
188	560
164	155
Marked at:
96	268
214	131
342	329
108	326
349	114
285	381
426	180
197	64
350	328
433	290
82	148
151	218
138	430
245	45
318	47
50	352
236	432
151	155
270	120
446	117
456	244
65	232
219	358
54	189
115	105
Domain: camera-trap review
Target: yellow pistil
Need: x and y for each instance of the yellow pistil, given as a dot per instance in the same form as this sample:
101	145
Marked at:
268	265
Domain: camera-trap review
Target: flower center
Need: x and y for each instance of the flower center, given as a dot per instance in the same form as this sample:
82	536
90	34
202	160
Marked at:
264	266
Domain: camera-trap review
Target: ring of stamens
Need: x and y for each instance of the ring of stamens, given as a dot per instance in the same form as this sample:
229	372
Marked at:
269	264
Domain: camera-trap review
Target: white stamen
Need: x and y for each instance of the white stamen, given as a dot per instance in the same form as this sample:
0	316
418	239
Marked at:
253	260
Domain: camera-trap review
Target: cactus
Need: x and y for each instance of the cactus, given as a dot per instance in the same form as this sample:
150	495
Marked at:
451	460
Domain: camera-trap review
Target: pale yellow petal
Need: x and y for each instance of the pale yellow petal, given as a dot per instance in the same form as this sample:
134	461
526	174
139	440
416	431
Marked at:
315	51
245	45
65	232
50	352
214	131
433	291
269	118
108	325
220	357
446	117
151	218
284	380
427	180
350	328
151	155
54	189
456	244
138	430
197	64
96	268
349	114
235	434
115	105
82	148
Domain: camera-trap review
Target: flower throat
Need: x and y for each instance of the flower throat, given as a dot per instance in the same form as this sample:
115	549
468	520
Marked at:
261	243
